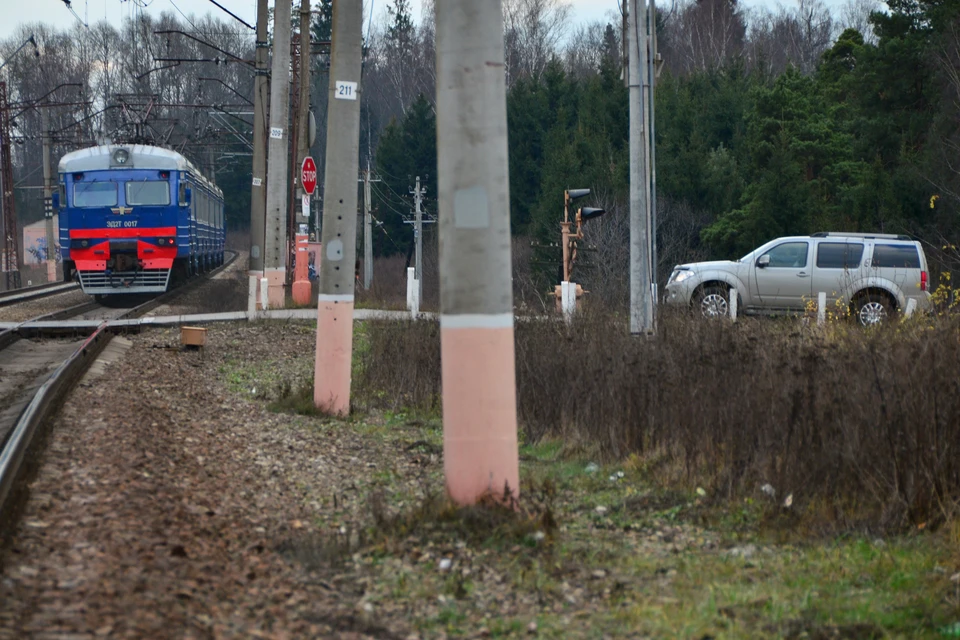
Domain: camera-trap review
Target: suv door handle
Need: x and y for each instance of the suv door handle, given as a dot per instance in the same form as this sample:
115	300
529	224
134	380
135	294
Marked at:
802	274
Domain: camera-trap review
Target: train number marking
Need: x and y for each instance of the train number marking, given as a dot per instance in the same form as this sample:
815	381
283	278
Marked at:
116	224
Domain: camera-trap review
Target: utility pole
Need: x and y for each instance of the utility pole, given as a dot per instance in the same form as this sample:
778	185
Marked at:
418	194
276	233
258	198
48	195
367	232
654	62
641	298
10	252
331	392
476	316
303	111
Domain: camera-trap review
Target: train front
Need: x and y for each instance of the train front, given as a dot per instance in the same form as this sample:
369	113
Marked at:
119	213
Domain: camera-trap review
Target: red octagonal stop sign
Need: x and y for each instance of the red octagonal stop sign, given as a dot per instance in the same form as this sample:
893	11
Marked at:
308	175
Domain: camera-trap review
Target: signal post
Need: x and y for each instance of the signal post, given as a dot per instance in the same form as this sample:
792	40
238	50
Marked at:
301	282
331	392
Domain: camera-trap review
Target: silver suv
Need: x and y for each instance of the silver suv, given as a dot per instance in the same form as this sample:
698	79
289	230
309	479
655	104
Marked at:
875	275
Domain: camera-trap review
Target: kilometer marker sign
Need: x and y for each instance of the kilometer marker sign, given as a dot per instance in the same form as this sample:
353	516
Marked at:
308	175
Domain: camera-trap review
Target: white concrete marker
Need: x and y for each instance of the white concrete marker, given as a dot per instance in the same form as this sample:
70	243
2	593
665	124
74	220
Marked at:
821	308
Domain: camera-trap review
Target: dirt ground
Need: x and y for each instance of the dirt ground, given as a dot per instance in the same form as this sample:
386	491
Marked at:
172	501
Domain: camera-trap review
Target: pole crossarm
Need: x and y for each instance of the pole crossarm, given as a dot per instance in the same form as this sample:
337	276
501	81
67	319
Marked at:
181	32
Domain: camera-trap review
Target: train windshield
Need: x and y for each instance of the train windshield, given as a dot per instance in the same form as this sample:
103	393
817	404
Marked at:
148	192
95	194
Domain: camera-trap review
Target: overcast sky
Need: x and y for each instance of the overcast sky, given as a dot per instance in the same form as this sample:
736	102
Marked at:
16	12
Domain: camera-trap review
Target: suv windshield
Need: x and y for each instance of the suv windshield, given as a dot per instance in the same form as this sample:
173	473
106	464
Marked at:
152	192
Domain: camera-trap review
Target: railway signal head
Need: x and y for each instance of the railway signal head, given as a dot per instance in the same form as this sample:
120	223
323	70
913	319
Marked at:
573	194
589	213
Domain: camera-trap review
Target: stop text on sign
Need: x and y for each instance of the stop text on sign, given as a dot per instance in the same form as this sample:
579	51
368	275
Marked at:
308	175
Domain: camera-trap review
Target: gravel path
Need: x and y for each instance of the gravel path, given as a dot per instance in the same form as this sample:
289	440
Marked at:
169	505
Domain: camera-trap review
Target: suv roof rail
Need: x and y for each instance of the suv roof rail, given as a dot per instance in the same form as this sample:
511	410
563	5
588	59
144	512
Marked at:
882	236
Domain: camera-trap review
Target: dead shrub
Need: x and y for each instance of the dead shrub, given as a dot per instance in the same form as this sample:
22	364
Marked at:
858	426
399	365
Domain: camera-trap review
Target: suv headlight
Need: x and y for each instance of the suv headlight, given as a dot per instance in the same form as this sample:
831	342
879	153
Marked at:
680	275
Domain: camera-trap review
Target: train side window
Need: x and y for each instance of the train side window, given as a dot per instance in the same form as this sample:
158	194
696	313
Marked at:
182	193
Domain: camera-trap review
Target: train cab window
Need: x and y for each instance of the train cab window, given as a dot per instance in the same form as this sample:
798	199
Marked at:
148	192
95	194
182	194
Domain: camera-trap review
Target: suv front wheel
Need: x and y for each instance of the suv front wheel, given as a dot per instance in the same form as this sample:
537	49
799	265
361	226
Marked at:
872	309
711	302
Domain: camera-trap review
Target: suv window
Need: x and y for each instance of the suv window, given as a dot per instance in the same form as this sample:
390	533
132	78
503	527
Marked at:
839	255
789	254
900	256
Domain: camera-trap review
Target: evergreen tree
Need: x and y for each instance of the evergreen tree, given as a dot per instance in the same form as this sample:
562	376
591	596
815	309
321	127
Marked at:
407	149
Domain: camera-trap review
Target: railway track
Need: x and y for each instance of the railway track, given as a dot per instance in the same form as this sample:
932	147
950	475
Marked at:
18	296
37	375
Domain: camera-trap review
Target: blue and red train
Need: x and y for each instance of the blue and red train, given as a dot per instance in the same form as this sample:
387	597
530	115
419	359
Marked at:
135	217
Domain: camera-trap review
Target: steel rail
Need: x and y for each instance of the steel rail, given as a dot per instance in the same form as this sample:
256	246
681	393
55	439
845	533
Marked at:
18	443
20	440
17	296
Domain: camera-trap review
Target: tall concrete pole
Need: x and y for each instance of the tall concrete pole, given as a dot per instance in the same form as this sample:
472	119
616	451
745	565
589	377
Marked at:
331	391
367	232
653	147
641	299
303	110
275	262
258	194
476	296
48	195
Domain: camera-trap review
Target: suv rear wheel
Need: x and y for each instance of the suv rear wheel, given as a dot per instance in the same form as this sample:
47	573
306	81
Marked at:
712	302
872	309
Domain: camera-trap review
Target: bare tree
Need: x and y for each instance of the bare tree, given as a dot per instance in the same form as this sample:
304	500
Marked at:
533	31
855	14
704	34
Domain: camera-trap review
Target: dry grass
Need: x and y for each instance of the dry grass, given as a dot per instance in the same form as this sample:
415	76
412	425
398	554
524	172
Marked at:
857	427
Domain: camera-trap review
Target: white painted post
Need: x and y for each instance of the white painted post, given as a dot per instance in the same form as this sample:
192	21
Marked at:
821	308
911	307
264	294
411	281
568	300
252	298
415	310
732	303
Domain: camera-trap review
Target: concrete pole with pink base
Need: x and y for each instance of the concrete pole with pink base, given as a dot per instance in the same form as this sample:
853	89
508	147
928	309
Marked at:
476	297
331	391
275	257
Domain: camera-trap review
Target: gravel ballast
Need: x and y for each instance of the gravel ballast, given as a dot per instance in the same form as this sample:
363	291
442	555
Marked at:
169	502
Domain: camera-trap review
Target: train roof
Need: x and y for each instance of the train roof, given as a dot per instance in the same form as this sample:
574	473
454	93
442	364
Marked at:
140	156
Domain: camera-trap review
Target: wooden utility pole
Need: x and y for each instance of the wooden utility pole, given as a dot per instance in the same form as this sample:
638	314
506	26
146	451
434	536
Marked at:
331	391
476	294
278	170
258	197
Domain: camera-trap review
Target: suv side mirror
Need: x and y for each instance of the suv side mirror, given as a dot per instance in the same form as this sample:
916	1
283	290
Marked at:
764	261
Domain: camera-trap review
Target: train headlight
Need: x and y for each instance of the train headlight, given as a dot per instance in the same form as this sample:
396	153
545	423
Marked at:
121	157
